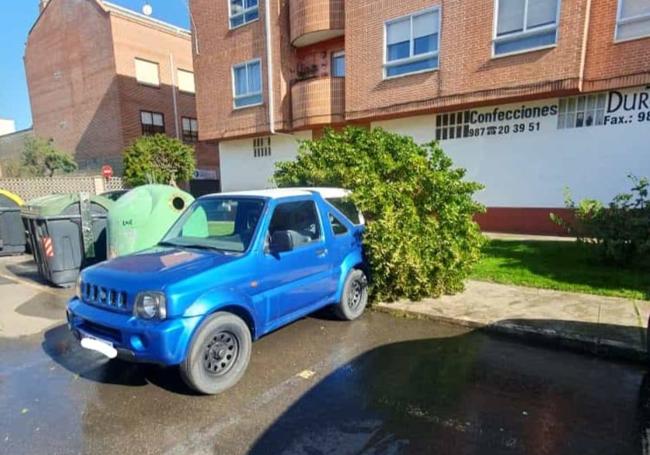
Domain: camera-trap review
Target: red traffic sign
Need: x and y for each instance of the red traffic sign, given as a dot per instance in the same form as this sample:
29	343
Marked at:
107	171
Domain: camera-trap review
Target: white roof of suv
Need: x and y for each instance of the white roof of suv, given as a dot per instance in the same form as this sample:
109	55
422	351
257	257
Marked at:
276	193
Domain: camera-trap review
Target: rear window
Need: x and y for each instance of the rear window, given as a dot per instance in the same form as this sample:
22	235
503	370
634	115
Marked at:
347	208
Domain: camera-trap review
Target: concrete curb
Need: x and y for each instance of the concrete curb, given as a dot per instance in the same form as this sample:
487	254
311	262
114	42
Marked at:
601	347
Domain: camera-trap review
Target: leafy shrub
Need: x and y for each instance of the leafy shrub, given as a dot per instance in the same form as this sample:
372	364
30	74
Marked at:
620	231
40	158
158	159
420	236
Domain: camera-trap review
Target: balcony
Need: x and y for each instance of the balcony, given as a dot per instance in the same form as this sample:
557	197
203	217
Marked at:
313	21
318	101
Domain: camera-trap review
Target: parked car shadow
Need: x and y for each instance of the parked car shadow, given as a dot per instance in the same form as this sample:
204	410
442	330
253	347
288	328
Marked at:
473	393
64	349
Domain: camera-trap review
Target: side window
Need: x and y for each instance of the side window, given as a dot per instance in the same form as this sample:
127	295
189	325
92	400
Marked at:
337	225
347	208
338	64
412	43
242	12
525	25
247	84
300	219
633	19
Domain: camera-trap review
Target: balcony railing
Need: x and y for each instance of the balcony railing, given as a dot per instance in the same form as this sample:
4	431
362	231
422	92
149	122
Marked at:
313	21
319	101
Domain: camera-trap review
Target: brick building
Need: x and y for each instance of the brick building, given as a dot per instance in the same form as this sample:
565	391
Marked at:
100	76
531	96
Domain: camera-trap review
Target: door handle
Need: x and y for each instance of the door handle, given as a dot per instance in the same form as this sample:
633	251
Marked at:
321	252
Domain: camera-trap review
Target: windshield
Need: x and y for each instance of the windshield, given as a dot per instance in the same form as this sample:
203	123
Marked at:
224	224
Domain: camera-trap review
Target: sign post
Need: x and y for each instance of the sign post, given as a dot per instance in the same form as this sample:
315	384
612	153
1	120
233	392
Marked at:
107	171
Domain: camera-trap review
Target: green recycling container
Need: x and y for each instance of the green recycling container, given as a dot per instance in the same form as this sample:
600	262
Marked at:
12	232
141	217
66	233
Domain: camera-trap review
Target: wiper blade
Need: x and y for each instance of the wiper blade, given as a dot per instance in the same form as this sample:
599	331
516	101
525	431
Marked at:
196	246
165	243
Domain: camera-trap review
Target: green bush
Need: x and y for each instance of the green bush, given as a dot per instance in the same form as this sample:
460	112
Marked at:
420	236
620	231
40	158
158	159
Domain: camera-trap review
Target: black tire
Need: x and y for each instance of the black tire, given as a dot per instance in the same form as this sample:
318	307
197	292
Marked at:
219	354
354	297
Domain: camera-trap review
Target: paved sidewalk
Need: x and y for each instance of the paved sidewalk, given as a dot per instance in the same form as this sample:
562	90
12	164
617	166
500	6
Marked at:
28	305
606	326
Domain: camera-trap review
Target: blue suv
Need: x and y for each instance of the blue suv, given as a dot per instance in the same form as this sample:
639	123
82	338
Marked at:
234	267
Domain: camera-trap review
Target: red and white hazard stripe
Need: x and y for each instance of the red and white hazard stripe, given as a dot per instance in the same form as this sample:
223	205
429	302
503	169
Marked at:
48	247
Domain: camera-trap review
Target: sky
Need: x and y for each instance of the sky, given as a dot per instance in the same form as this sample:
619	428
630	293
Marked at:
17	18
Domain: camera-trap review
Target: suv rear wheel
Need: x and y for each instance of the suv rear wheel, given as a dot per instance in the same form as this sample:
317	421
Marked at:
355	296
219	354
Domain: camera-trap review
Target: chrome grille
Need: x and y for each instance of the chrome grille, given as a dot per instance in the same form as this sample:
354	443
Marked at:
103	296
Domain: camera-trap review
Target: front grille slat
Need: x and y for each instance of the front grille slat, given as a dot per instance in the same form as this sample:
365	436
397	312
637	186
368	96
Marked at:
104	297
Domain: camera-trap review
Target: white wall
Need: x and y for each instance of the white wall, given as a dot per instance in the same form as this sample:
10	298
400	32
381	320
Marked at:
7	126
240	170
532	169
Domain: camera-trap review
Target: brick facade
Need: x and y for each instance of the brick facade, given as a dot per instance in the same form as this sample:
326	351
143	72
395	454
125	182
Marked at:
610	64
467	72
526	166
585	58
80	64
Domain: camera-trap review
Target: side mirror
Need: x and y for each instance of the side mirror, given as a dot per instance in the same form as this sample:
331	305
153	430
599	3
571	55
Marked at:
281	241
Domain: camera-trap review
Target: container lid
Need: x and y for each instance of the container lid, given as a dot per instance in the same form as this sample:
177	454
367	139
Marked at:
8	199
63	204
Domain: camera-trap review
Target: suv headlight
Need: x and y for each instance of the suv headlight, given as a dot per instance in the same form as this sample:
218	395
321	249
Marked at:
150	305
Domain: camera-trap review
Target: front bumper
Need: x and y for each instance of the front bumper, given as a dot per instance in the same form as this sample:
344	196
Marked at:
161	342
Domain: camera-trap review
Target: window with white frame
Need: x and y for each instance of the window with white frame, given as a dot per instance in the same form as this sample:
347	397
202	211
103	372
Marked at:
247	83
186	81
147	72
242	12
581	111
338	64
633	19
525	25
412	43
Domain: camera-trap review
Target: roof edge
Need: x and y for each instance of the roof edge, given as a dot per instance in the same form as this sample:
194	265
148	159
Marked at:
112	8
99	3
109	8
17	132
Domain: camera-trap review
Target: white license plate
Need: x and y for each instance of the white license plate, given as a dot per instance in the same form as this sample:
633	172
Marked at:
98	345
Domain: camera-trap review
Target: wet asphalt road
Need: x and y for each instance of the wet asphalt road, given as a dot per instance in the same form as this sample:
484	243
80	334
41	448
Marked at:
379	385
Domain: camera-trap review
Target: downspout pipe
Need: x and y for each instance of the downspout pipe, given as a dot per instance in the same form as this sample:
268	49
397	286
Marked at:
172	65
269	65
195	33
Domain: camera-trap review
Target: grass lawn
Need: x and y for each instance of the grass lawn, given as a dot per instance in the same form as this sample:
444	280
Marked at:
220	228
564	266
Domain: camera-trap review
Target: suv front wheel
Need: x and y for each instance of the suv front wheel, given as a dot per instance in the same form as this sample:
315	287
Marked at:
219	354
354	297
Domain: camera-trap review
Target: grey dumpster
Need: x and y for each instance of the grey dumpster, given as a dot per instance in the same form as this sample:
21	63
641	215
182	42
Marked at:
12	232
67	232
